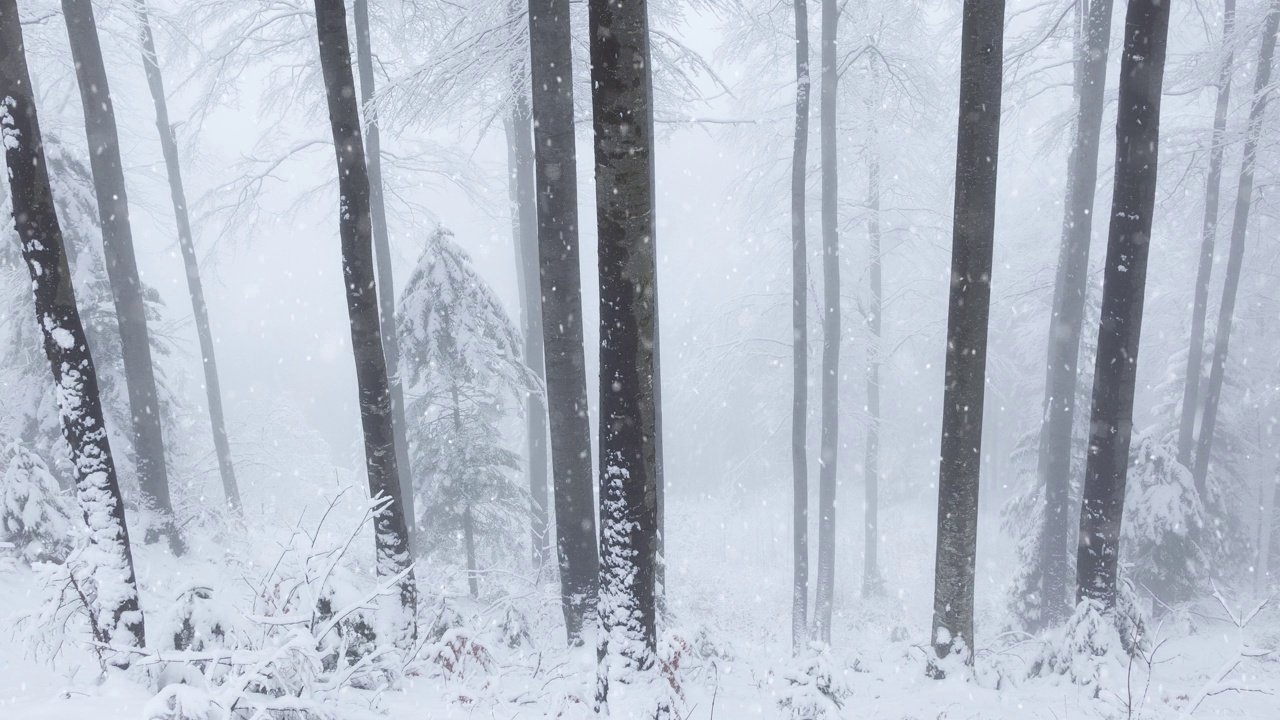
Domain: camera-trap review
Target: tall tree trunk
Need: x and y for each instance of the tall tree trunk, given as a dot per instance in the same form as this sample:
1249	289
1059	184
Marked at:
871	583
1067	320
1146	28
830	333
620	97
977	148
390	531
551	66
468	520
117	616
1208	238
800	342
169	145
382	254
1235	258
122	267
525	230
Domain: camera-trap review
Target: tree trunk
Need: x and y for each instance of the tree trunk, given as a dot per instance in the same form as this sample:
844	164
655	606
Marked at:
1208	238
122	267
561	290
390	532
977	147
525	230
1067	320
627	642
468	521
830	333
1146	27
871	583
800	342
117	617
1235	258
169	145
382	253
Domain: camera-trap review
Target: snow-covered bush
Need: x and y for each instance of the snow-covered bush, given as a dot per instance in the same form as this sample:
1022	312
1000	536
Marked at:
814	685
35	516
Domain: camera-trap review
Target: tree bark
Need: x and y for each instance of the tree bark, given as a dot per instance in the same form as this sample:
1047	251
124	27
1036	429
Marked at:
169	145
1137	153
117	617
830	332
122	267
800	342
621	100
1208	238
1067	319
1235	258
393	557
551	65
977	148
871	583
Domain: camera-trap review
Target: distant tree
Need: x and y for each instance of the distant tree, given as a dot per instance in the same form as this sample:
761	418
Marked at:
800	342
33	514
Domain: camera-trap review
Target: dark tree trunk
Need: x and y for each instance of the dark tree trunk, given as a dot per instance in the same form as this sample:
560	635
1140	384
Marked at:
525	231
800	342
830	333
1146	27
1208	238
1067	319
169	145
1235	258
393	554
977	147
871	583
561	290
118	617
122	267
621	100
382	253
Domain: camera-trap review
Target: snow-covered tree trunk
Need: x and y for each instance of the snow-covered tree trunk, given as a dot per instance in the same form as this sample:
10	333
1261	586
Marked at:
977	146
1146	28
551	63
1066	319
117	614
825	590
122	267
1235	257
1208	238
800	342
871	470
169	145
627	643
382	255
390	532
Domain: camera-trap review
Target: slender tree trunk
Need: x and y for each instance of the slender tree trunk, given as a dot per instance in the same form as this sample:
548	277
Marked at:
122	267
382	254
1208	238
621	100
117	615
1235	258
468	520
830	333
1067	320
169	145
1146	28
977	148
390	531
561	289
871	583
800	342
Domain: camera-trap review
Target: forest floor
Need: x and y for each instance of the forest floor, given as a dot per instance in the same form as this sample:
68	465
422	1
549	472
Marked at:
726	642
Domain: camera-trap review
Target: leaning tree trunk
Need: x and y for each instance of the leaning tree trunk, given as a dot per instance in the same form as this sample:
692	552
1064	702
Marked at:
871	583
116	616
551	62
977	147
122	267
1067	319
1146	27
1235	258
1208	238
830	333
620	97
169	144
390	532
800	343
